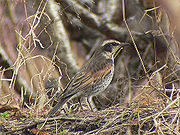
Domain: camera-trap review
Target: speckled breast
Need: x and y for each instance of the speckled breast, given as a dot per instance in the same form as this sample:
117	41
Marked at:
102	84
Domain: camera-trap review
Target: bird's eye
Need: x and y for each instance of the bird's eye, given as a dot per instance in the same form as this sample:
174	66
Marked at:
114	43
108	48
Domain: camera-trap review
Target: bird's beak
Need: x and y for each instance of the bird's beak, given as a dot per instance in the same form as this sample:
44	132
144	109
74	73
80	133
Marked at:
124	44
119	48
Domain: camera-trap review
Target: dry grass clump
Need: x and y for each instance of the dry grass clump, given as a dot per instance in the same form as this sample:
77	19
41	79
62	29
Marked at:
148	115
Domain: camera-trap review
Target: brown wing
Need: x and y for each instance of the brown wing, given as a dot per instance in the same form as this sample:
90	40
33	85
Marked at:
87	77
79	82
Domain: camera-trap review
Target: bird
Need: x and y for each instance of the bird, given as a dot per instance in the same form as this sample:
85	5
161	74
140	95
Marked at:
94	76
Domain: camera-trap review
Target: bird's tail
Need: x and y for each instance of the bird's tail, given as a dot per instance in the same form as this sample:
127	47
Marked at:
60	103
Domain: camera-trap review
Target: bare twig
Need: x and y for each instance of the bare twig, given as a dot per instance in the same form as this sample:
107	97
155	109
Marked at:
19	81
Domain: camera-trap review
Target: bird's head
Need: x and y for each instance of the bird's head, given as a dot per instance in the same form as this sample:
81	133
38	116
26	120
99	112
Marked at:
109	48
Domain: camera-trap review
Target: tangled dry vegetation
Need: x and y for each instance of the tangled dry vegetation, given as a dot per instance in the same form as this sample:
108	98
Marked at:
43	43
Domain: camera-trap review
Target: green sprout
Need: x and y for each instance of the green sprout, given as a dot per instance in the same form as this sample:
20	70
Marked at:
5	115
63	132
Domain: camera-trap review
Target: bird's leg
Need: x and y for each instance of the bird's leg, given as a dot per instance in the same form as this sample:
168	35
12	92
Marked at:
91	104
